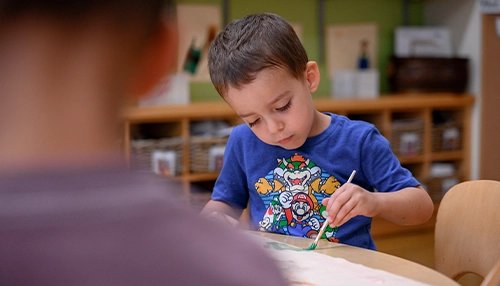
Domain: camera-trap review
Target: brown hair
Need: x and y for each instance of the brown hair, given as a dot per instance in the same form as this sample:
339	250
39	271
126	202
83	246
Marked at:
248	45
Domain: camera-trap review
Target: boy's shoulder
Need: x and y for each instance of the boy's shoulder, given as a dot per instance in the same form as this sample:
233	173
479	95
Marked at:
345	122
242	132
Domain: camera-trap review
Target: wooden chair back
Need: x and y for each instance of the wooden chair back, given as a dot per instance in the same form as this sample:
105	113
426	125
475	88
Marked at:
467	234
493	277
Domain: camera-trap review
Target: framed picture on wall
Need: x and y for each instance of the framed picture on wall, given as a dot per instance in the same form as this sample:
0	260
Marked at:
198	25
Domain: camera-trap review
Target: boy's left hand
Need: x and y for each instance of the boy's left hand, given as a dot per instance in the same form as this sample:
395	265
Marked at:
349	201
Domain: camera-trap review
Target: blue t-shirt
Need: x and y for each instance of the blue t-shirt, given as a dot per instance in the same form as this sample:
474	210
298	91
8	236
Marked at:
284	188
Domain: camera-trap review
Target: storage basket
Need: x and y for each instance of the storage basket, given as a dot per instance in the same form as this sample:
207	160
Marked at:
447	137
141	151
427	74
407	137
199	151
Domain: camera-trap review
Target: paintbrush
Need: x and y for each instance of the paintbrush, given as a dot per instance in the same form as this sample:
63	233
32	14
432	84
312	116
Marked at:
325	224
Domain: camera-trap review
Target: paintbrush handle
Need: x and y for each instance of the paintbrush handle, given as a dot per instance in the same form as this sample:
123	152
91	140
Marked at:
321	231
325	224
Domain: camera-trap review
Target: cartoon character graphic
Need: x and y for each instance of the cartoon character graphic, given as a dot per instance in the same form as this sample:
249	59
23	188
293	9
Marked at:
331	232
273	218
292	192
302	222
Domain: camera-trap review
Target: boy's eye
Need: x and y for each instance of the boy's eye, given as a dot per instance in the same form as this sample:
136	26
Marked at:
252	124
283	108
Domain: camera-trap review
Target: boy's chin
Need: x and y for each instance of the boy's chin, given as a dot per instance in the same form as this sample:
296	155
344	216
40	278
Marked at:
290	146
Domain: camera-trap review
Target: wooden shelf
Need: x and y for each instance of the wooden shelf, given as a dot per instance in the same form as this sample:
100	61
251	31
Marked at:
411	159
447	156
175	120
394	102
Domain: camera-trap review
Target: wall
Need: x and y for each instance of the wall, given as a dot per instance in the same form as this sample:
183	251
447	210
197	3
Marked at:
463	18
388	14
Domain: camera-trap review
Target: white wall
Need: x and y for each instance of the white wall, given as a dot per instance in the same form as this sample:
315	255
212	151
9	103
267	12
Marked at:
463	18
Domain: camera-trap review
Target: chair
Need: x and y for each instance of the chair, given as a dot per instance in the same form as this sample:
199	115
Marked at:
493	278
467	233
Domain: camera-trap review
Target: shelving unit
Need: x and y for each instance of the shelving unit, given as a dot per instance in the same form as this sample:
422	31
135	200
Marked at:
175	121
170	121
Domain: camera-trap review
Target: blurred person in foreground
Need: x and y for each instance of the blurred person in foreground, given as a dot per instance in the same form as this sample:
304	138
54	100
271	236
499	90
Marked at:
70	213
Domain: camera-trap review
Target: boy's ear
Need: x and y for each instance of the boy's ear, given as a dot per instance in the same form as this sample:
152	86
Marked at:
312	76
157	60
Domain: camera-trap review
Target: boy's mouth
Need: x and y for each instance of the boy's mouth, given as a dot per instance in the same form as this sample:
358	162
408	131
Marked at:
285	140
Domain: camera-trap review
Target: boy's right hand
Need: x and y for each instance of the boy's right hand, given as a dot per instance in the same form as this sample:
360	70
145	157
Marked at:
223	218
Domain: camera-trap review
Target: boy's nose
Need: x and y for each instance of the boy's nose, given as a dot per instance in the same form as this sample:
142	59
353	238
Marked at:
275	126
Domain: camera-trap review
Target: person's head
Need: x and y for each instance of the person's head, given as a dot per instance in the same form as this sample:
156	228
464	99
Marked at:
251	44
260	68
129	25
67	65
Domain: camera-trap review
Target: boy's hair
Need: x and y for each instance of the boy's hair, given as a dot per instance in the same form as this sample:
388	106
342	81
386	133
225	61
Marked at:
253	43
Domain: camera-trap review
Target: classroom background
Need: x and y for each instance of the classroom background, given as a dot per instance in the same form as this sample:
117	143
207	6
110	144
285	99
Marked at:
444	134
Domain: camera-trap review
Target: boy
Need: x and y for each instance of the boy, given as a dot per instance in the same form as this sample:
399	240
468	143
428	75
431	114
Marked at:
70	213
289	162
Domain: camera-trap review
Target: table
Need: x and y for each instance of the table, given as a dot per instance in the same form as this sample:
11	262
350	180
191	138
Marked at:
369	258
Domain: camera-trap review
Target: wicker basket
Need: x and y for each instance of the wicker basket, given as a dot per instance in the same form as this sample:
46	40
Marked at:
407	137
141	150
199	151
447	137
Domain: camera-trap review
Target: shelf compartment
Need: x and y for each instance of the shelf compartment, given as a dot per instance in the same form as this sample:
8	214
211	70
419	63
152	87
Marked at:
447	155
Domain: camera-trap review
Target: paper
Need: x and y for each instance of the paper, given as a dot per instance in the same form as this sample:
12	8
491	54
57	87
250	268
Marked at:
301	267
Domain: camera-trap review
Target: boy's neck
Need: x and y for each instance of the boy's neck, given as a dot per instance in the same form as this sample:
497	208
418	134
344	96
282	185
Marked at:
321	121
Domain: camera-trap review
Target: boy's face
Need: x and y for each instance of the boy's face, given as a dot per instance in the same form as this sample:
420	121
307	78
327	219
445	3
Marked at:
278	107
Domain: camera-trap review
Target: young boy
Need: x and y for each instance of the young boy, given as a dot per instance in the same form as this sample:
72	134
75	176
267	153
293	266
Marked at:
289	162
70	212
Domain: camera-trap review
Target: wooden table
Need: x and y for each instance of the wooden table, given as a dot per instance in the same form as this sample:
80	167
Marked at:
369	258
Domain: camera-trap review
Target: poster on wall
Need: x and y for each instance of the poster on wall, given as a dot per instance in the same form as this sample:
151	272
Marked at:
198	25
352	60
345	45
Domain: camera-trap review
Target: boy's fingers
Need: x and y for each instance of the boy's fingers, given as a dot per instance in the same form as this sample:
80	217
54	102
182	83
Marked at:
345	213
337	208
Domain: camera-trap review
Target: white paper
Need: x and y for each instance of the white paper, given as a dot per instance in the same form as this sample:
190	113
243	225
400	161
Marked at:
313	268
355	84
367	83
343	83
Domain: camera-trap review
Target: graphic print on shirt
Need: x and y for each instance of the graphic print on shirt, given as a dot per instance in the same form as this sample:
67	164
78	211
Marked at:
292	194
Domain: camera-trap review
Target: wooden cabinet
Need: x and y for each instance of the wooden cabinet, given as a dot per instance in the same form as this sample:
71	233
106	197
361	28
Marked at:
389	113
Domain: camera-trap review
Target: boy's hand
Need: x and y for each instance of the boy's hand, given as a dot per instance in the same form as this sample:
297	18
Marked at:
349	201
223	218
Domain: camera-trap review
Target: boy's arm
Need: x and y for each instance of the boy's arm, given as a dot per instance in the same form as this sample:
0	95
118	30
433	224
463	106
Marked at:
222	212
408	206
